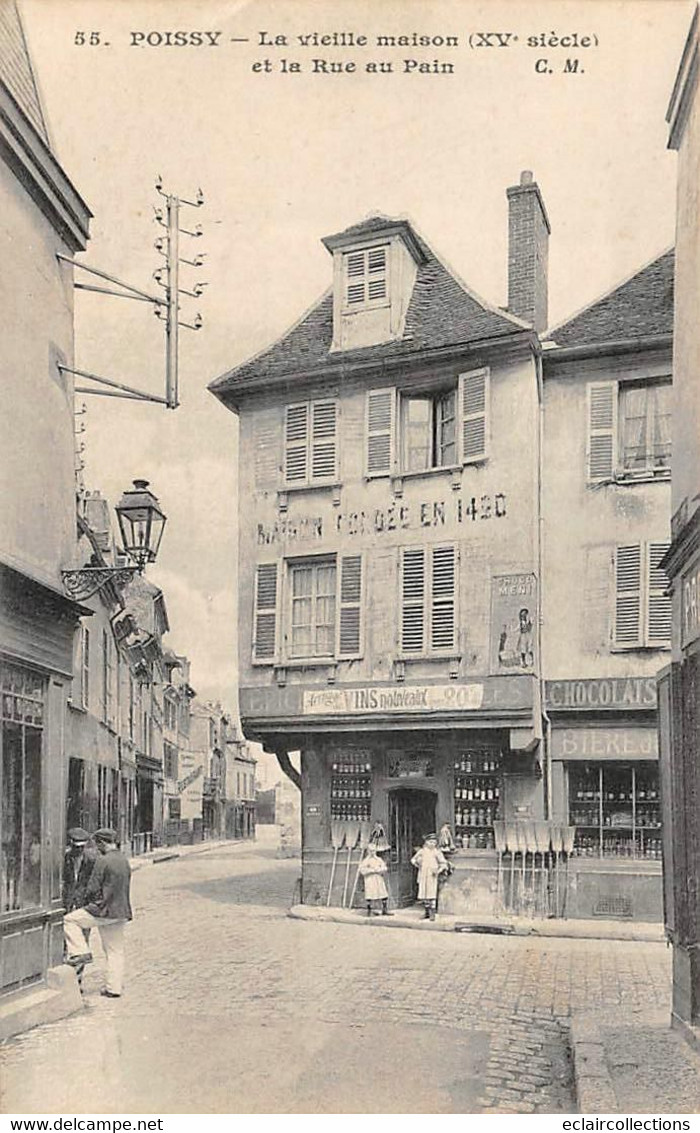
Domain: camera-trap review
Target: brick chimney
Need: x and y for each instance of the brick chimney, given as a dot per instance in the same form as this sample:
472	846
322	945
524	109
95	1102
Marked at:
528	240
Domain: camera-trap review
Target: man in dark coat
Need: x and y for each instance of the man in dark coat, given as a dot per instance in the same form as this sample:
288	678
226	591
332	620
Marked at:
107	908
78	862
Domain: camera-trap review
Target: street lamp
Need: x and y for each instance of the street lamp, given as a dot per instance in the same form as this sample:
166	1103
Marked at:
141	523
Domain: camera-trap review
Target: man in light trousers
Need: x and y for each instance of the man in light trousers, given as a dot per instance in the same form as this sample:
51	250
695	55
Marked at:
107	908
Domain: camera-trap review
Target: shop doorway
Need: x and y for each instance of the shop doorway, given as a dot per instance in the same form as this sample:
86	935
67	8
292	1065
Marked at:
411	817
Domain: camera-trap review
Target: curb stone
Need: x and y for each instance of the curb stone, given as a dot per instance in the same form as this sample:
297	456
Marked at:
580	930
592	1082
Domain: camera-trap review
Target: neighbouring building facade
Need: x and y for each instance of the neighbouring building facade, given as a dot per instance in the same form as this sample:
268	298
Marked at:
414	464
606	473
679	684
43	216
183	769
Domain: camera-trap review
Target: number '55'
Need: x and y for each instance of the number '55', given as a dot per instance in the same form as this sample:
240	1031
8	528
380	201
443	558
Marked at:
92	39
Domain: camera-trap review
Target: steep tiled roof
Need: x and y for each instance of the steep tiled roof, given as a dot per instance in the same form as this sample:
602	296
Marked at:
642	307
16	68
441	313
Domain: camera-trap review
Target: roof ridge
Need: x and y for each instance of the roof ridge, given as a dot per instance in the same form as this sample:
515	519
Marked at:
216	382
549	331
521	324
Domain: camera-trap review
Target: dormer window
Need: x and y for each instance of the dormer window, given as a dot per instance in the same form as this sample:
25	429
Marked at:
366	278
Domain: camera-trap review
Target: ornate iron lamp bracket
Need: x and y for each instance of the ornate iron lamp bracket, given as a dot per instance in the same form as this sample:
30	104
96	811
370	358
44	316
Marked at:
83	583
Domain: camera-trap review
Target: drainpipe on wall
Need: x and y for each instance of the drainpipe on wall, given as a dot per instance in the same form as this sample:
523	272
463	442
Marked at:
547	729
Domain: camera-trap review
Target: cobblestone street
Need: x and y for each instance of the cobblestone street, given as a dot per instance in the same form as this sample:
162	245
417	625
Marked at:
232	1007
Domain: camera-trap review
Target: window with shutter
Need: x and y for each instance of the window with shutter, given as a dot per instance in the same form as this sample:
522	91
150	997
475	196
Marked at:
350	620
310	451
628	595
381	409
602	430
659	604
265	617
366	278
413	593
296	444
428	600
474	407
442	621
642	609
323	434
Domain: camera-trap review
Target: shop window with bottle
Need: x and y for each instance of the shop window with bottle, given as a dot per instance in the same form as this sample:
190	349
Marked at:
23	705
477	796
616	810
351	789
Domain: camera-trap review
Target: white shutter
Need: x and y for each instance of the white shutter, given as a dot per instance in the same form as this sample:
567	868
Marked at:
474	424
376	271
323	440
442	614
601	403
628	595
355	277
265	617
413	600
381	412
296	443
350	620
659	605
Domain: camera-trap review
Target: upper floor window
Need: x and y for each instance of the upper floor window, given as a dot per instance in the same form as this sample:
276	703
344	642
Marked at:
107	678
365	278
170	713
170	760
642	608
313	610
428	431
629	430
321	613
310	443
422	430
81	676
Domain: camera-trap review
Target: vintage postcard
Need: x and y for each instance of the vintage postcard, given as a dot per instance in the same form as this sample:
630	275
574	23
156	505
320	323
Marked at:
338	357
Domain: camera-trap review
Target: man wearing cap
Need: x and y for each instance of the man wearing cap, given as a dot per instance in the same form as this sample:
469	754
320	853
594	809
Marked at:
430	863
78	863
107	908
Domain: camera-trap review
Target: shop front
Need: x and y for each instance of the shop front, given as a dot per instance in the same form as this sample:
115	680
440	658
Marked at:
37	625
411	758
605	777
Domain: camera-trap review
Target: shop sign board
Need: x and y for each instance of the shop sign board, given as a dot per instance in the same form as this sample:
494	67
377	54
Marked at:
602	694
513	622
503	694
690	605
408	698
604	743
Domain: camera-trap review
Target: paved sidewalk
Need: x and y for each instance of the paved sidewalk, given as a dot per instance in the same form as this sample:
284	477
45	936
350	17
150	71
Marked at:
169	853
503	926
633	1063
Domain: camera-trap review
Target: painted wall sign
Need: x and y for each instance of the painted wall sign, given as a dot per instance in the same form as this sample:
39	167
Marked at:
401	698
605	743
690	608
397	516
403	768
183	784
602	693
503	694
513	622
